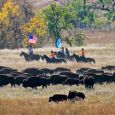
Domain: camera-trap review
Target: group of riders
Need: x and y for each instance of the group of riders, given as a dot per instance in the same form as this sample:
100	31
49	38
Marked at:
63	53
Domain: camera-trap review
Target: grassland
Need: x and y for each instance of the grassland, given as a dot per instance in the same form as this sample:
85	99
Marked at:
100	101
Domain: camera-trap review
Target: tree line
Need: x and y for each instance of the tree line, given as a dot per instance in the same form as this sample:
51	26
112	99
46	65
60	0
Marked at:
18	20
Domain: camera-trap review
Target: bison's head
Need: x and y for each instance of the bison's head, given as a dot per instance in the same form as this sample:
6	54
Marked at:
25	83
50	99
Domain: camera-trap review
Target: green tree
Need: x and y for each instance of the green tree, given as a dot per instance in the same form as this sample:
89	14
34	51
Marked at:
58	18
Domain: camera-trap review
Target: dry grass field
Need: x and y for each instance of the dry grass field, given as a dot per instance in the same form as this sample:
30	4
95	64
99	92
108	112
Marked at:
100	101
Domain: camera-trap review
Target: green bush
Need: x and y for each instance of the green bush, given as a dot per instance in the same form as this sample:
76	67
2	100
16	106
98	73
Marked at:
77	38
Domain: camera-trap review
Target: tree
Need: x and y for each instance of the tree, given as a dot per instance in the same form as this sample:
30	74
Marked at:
58	18
8	13
27	12
76	38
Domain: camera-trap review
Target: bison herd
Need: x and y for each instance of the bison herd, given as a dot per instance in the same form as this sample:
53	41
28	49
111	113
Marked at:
34	77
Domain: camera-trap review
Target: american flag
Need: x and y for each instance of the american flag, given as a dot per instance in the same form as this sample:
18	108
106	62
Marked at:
32	39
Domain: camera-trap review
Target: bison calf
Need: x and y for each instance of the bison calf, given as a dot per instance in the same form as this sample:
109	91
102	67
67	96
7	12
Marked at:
58	98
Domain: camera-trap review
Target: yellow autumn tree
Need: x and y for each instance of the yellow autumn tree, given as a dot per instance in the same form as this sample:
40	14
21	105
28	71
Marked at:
9	9
8	13
36	26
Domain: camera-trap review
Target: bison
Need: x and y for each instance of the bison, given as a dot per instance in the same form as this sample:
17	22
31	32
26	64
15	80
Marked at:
58	98
89	82
74	95
94	71
5	80
109	68
33	82
71	81
7	70
18	80
81	70
33	71
70	74
47	71
57	79
61	69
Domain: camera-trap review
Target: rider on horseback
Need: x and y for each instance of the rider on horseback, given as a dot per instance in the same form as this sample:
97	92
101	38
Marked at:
82	53
53	54
62	51
30	51
67	52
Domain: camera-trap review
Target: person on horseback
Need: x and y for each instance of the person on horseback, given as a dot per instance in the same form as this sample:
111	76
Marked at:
62	52
82	53
30	51
53	54
67	52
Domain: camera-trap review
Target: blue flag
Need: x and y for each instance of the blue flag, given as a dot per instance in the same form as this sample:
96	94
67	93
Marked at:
30	36
58	43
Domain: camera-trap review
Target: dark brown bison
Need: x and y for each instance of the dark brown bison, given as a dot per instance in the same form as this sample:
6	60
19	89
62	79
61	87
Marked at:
95	71
33	82
113	77
74	95
61	69
5	80
57	79
58	98
1	67
81	70
33	71
89	82
18	80
14	74
70	74
71	81
47	71
109	68
7	70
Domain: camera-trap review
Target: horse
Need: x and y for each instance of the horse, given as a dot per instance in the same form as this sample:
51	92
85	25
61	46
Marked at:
76	57
26	56
83	59
53	60
30	58
48	60
60	60
90	60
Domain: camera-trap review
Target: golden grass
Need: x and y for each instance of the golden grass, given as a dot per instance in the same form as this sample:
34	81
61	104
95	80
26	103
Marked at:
20	101
42	107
